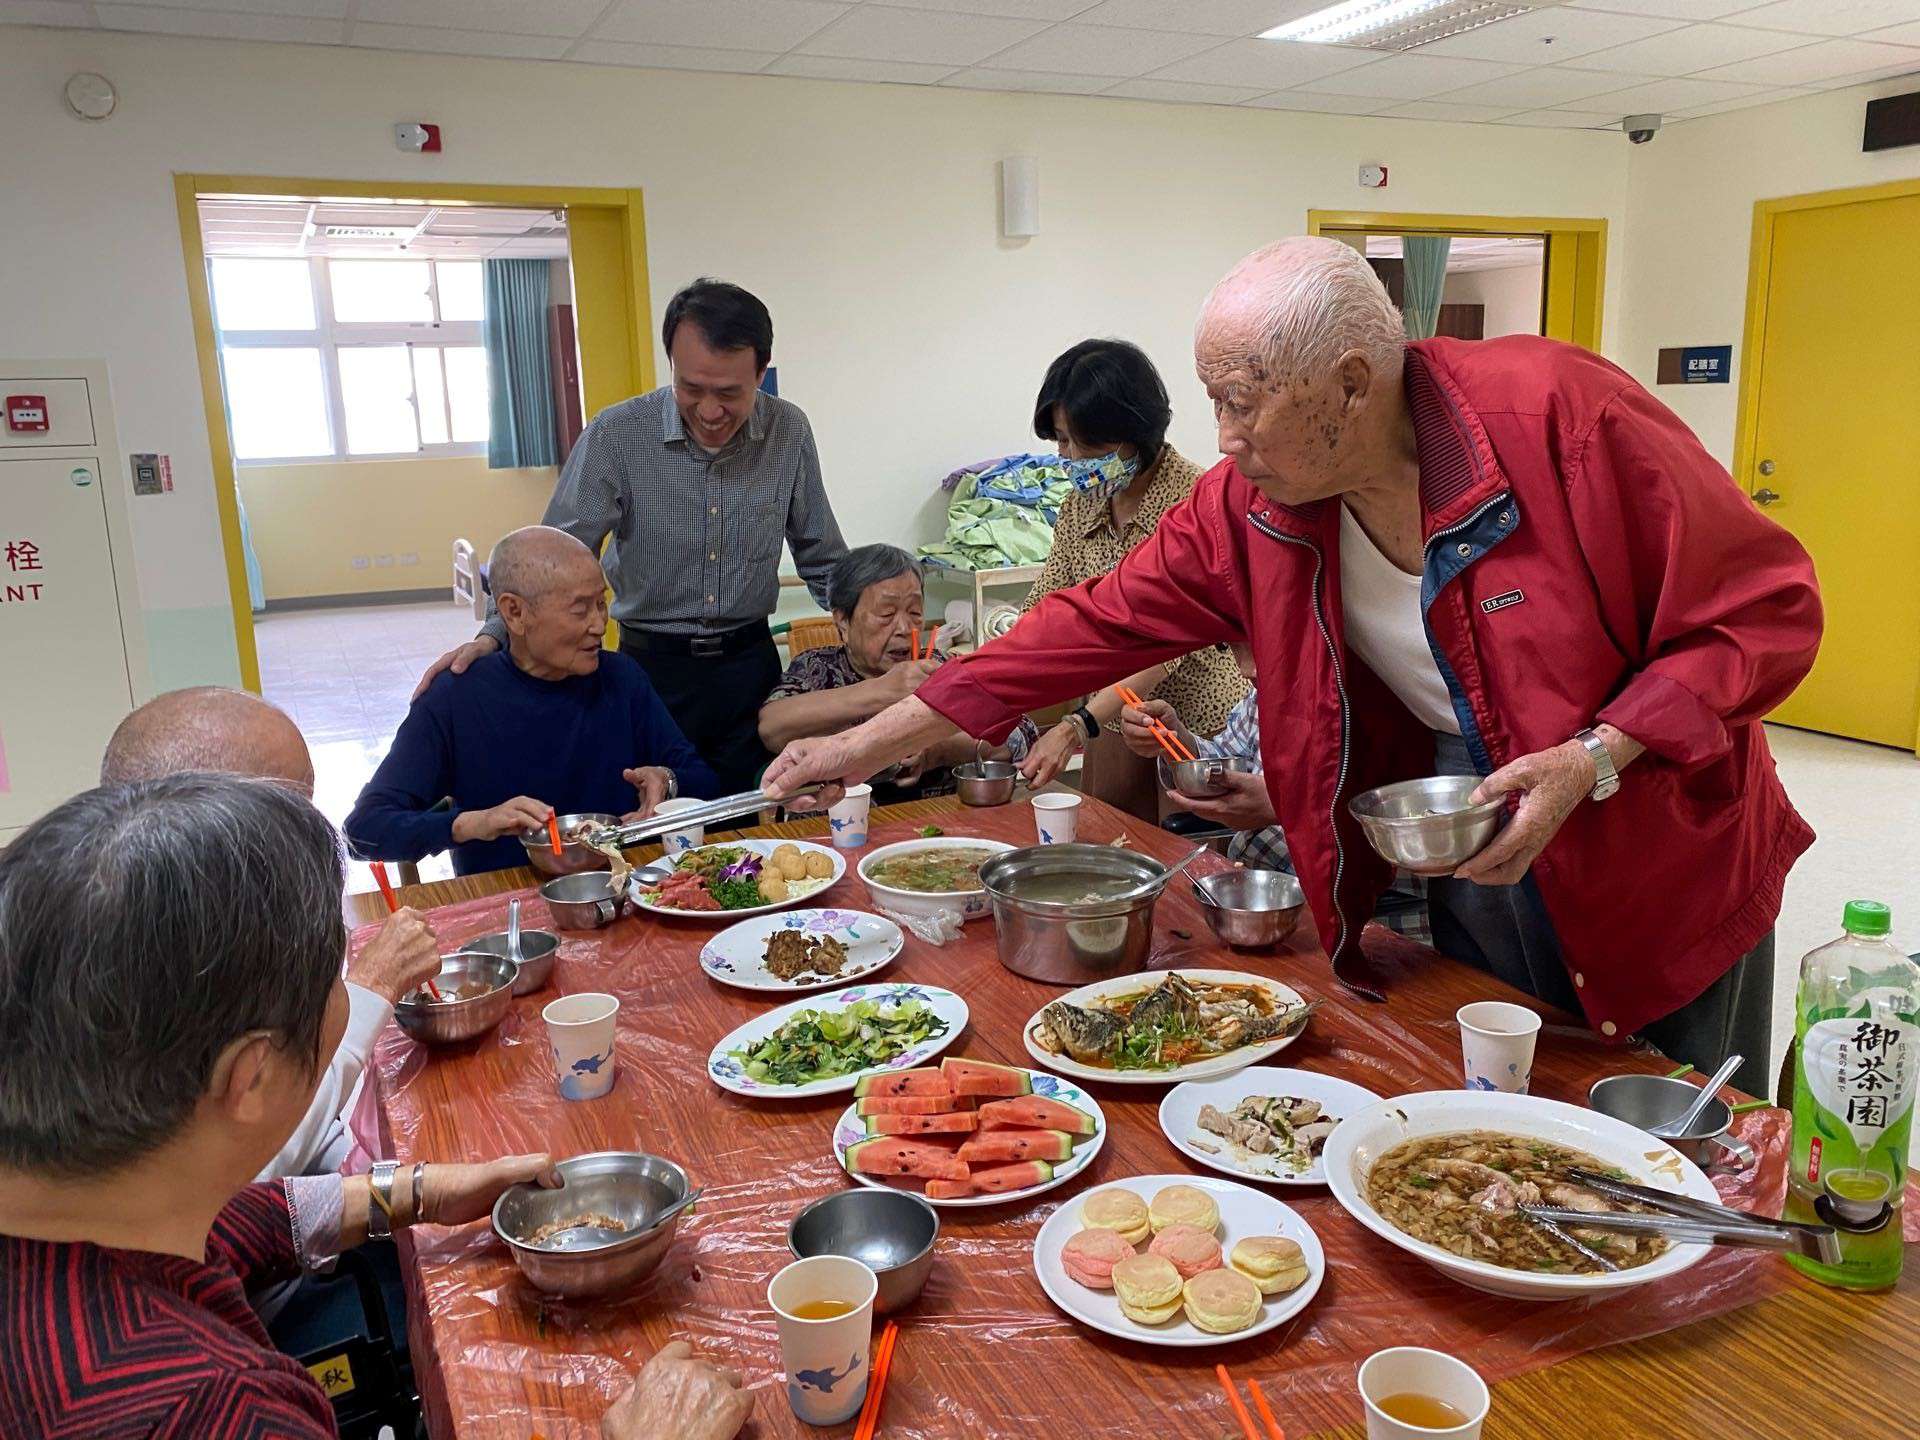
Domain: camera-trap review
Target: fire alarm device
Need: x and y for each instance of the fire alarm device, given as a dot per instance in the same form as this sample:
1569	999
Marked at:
26	414
1373	177
417	137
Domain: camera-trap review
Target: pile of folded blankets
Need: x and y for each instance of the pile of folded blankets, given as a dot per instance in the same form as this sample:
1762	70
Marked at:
1002	512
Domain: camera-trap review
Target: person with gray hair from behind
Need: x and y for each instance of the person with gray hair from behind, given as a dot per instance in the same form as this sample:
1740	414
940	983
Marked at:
552	724
877	599
214	729
157	1053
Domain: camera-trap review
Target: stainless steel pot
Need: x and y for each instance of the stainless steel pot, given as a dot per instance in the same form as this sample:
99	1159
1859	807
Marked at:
1049	932
985	782
584	902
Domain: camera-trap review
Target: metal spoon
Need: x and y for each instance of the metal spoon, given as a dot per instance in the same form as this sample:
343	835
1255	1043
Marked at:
513	932
1159	882
1672	1129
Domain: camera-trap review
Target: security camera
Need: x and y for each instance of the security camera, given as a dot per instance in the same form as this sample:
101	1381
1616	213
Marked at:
1640	128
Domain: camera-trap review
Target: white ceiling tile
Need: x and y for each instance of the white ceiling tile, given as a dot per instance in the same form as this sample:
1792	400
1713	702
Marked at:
1831	17
1698	47
828	67
1664	95
1561	120
1179	91
1101	50
1435	110
1672	9
1546	36
154	19
1896	35
1007	9
1827	60
1746	102
669	57
1201	17
1412	77
45	12
927	37
1547	86
1323	104
514	17
764	25
1029	81
1269	64
433	40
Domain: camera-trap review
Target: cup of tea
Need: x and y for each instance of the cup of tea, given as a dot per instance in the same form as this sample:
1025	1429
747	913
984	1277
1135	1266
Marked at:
580	1034
1496	1045
1056	816
1416	1394
675	842
847	817
823	1306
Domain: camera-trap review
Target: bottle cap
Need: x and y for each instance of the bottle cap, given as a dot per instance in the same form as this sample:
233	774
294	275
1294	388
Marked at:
1866	917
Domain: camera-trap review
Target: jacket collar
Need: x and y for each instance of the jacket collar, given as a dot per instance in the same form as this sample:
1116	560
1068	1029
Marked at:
673	432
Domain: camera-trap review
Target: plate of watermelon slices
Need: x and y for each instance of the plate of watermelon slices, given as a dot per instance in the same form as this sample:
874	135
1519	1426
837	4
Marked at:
968	1132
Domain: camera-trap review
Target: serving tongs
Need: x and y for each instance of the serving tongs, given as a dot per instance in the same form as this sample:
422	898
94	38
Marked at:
729	807
1688	1221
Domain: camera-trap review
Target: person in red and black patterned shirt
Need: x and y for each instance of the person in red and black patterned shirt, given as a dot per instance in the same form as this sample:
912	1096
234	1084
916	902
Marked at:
157	1056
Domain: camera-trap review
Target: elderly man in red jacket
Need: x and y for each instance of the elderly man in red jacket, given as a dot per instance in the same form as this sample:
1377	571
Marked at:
1502	558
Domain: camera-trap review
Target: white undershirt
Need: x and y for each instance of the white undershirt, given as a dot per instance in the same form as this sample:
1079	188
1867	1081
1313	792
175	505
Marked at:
1381	605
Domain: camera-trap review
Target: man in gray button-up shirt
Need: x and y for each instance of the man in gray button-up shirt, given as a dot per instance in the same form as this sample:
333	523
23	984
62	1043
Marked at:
694	487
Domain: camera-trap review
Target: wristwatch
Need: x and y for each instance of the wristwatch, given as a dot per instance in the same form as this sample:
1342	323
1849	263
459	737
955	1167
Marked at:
673	784
1606	779
380	1212
1089	727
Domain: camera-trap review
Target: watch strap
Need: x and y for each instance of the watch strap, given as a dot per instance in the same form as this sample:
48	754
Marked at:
1606	778
673	784
1089	727
380	1188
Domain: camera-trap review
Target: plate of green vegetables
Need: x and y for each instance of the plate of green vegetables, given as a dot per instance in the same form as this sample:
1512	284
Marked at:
826	1043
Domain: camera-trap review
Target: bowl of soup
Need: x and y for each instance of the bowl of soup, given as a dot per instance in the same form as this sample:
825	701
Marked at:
940	872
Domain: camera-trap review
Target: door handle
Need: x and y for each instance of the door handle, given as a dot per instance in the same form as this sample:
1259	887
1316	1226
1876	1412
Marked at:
1765	497
1765	467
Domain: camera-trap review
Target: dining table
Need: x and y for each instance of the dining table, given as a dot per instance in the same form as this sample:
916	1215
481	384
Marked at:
1739	1347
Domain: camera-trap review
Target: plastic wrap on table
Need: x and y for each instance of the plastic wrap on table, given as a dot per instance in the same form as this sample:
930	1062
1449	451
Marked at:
983	1353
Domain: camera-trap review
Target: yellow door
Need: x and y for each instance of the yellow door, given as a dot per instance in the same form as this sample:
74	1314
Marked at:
1837	441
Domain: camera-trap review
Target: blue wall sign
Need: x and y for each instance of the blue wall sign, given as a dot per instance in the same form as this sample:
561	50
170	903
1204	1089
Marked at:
1706	364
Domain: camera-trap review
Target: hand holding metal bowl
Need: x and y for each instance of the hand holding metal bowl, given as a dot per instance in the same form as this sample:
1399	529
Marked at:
606	1229
1430	826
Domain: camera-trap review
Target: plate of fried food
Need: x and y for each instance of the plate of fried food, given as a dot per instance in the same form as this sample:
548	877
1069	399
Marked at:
798	950
1262	1123
739	878
1166	1025
1179	1260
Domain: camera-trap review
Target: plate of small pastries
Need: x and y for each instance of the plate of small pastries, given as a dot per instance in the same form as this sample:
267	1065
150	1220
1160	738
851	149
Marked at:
1178	1260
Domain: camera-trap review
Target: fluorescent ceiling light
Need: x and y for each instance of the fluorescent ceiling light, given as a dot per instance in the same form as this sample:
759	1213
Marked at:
1397	24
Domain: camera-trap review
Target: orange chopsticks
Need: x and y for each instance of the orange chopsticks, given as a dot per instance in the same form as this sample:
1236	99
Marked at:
932	636
930	639
393	904
553	833
1171	743
1274	1432
869	1421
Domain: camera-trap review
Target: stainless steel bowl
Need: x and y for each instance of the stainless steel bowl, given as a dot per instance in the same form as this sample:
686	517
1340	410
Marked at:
1200	779
573	857
450	1021
985	782
1049	932
1251	909
537	949
584	902
891	1232
1646	1101
1427	826
624	1185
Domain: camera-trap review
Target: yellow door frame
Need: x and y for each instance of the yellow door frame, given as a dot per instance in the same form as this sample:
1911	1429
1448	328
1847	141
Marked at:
1576	257
1746	432
607	241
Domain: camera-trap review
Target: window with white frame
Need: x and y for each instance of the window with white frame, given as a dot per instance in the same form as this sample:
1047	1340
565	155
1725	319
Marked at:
351	359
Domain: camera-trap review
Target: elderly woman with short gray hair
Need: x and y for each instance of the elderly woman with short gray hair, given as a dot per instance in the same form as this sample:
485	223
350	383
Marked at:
877	596
157	1055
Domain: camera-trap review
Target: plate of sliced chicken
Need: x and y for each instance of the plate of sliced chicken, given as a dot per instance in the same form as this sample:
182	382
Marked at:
1264	1123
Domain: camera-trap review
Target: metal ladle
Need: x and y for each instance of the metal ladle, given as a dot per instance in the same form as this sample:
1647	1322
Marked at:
513	933
1672	1129
1157	883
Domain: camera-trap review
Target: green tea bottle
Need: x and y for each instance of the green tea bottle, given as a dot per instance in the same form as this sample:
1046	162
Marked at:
1858	1031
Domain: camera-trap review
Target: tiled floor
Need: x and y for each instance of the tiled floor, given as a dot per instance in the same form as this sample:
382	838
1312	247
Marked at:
346	677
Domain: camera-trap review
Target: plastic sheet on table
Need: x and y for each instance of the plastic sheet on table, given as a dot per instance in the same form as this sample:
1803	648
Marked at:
984	1353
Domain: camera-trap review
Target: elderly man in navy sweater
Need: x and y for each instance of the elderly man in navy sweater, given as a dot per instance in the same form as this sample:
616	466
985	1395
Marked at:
553	722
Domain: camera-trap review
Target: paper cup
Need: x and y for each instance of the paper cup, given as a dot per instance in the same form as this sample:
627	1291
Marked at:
825	1360
1409	1370
848	817
1496	1045
580	1033
675	842
1056	817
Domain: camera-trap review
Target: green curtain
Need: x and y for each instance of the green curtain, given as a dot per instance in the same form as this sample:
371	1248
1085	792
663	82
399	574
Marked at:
519	379
1425	269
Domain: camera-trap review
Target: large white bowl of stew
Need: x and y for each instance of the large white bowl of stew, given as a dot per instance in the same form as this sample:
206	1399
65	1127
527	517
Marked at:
1435	1174
940	872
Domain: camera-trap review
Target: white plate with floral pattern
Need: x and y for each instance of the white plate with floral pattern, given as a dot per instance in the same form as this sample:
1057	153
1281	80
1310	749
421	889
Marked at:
737	956
727	1070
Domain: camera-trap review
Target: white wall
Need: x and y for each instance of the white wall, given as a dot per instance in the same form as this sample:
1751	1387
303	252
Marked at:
1511	295
1690	223
866	217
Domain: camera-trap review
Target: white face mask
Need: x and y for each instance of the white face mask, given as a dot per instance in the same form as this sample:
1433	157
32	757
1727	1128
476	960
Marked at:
1103	476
